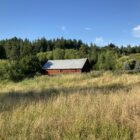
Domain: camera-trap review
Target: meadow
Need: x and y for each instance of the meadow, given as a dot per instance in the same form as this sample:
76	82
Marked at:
92	106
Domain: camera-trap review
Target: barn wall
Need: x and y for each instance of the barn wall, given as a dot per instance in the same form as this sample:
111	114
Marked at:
54	72
86	67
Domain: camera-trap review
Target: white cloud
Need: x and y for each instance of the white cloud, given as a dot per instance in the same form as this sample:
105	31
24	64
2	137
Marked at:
136	31
88	28
99	40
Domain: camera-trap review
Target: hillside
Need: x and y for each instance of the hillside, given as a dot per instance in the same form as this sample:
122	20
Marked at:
79	106
135	56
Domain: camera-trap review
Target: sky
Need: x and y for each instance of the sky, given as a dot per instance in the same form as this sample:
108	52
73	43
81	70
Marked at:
93	21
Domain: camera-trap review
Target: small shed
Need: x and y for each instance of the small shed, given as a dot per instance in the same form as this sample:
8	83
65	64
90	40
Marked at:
53	67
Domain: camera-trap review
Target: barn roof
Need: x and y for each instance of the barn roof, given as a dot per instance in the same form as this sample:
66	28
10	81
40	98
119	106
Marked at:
65	64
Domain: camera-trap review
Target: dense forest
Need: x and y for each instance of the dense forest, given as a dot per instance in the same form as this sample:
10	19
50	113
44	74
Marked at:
20	58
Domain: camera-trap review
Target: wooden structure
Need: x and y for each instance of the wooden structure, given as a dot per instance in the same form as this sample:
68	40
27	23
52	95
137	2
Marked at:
53	67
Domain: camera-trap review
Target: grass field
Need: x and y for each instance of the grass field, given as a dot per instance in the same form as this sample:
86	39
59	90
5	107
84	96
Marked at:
90	106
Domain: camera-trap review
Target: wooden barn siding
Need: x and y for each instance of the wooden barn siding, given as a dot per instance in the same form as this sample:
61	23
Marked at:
86	67
53	72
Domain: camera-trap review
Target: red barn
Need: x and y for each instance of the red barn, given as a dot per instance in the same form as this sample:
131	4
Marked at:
52	67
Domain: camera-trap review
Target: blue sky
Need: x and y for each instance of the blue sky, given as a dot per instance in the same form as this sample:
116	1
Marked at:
96	21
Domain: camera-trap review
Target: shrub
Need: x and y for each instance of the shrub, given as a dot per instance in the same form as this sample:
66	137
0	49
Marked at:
130	64
137	66
126	66
4	69
18	69
29	64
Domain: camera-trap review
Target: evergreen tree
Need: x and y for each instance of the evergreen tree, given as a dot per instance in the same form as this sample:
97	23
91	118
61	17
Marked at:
110	60
83	51
15	52
58	54
101	62
71	54
2	52
93	54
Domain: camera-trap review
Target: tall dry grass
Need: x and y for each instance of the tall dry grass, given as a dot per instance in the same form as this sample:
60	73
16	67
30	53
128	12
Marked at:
71	107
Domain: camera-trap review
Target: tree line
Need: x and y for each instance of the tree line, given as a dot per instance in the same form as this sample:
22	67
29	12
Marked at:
25	57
